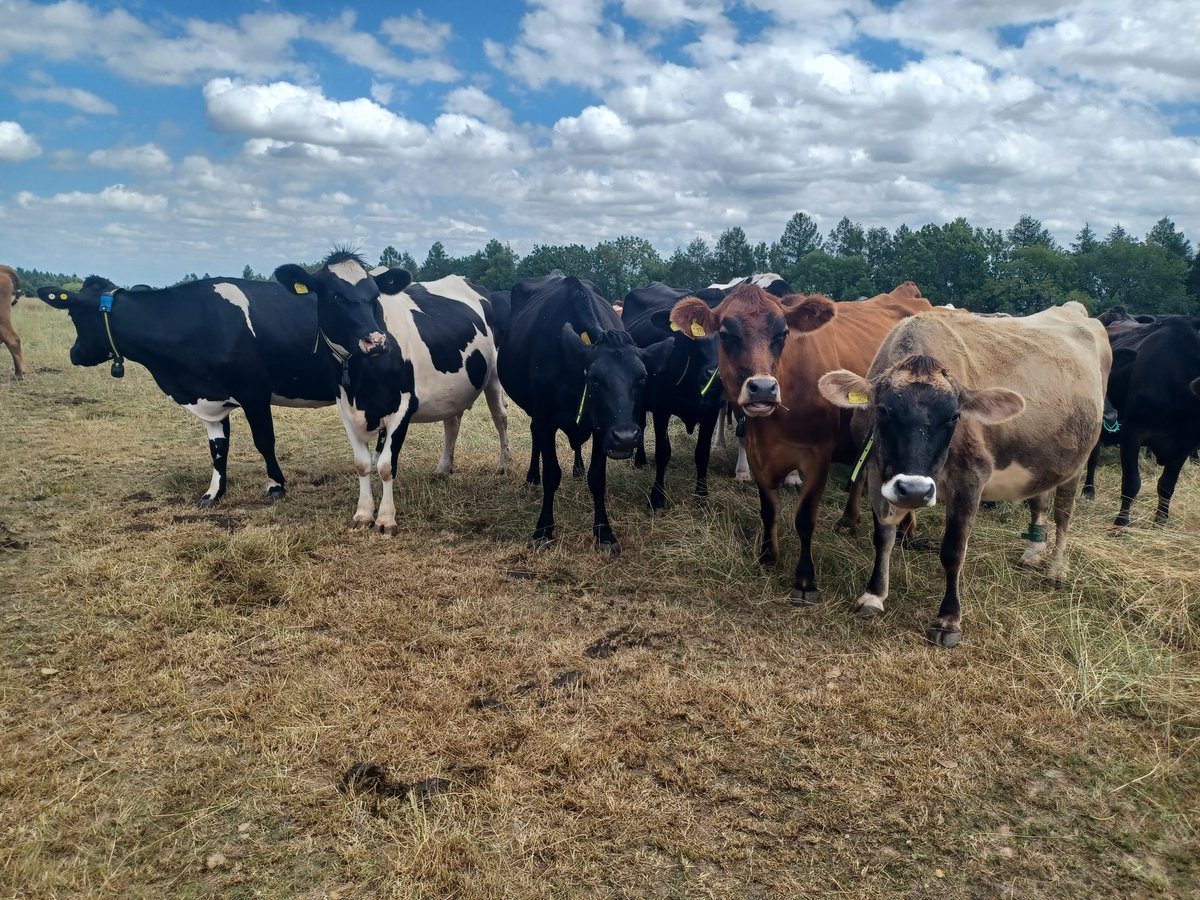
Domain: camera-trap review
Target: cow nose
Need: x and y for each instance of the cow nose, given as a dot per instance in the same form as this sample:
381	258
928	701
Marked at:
762	390
622	441
373	344
911	491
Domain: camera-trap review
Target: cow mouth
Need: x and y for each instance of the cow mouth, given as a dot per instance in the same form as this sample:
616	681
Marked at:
619	454
759	408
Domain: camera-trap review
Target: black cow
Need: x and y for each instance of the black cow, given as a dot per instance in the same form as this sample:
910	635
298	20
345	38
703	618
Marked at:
1155	388
687	386
211	346
400	352
571	366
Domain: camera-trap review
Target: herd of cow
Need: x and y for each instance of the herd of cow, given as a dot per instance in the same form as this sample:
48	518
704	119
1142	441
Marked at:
929	402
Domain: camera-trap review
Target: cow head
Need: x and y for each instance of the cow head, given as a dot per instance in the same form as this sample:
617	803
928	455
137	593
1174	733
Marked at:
615	372
752	328
349	314
916	406
693	364
92	345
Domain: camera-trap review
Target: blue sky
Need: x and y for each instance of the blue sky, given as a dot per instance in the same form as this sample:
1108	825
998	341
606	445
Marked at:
143	142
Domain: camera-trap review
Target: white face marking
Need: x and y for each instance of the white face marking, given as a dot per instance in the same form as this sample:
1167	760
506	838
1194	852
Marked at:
349	271
902	490
234	295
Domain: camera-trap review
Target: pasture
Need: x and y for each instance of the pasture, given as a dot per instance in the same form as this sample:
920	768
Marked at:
183	689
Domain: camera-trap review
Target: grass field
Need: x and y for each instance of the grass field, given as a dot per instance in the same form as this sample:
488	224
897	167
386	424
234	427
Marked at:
183	689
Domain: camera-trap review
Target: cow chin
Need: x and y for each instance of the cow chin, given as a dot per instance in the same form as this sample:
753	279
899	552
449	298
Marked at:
759	409
618	453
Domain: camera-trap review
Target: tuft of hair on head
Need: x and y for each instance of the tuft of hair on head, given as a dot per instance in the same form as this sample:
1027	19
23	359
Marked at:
345	253
921	366
613	337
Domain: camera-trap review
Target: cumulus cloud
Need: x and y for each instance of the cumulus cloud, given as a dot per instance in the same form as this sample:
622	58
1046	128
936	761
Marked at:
114	198
16	144
145	158
78	98
417	32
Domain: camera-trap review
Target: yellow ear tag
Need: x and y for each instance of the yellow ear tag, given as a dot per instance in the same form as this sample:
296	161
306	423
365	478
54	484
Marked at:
858	398
697	330
62	296
584	337
299	288
675	327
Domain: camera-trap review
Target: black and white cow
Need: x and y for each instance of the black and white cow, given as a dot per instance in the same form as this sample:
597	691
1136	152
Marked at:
212	346
687	386
571	366
400	352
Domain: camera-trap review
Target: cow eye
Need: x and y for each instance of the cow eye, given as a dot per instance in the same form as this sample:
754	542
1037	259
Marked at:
884	413
953	420
729	339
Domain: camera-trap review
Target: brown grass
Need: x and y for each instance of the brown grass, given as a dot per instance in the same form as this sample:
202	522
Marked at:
183	689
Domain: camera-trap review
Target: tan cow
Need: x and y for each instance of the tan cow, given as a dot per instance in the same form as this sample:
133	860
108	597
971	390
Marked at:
771	352
967	408
10	290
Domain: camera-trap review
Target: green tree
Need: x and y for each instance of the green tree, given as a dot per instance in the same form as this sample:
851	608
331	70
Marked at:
619	266
691	267
846	238
1028	232
800	237
437	264
390	257
1164	235
570	259
733	256
500	269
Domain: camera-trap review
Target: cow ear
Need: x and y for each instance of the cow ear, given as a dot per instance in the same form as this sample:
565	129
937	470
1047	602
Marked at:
59	298
991	406
393	281
1123	356
845	389
692	318
808	314
661	320
295	278
655	356
578	346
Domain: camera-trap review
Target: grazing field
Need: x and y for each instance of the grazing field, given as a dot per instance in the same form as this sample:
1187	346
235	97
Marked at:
183	689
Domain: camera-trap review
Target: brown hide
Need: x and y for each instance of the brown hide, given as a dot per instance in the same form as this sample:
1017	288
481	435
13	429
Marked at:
10	290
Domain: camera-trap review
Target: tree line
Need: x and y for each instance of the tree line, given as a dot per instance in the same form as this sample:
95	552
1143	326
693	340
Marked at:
1017	271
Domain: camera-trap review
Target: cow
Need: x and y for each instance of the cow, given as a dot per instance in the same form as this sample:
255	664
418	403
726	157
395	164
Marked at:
1153	388
10	292
212	346
569	363
399	352
771	353
965	409
685	387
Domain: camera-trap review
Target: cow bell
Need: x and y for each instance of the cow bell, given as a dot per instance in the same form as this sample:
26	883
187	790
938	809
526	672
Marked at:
118	368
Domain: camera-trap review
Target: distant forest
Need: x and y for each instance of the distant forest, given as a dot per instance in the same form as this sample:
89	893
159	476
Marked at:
1018	271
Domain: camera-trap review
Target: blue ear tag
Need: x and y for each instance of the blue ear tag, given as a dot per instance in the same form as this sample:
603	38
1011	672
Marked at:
106	303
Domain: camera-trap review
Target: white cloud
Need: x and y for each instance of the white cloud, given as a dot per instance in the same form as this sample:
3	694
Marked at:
115	198
363	49
145	158
382	92
417	32
16	145
84	101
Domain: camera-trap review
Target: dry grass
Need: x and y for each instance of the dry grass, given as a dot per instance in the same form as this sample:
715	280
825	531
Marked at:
182	690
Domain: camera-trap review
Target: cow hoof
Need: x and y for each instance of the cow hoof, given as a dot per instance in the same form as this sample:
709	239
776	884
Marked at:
439	472
1032	557
868	606
276	492
802	598
922	545
387	530
847	528
359	524
611	548
206	501
657	510
741	476
541	542
1089	494
946	638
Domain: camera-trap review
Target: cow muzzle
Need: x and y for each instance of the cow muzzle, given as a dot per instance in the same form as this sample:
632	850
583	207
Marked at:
910	491
622	442
760	395
373	344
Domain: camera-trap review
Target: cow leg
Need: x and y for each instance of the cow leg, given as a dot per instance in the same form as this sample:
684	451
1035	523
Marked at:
606	541
577	464
446	464
1131	476
768	511
708	424
395	431
1166	487
533	476
8	336
639	457
1037	529
946	629
495	401
218	447
1089	481
816	472
741	472
1064	509
543	442
871	602
848	523
722	415
262	428
662	456
364	513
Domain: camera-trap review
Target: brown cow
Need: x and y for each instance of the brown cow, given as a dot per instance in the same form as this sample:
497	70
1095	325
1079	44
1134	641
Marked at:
771	353
969	409
10	290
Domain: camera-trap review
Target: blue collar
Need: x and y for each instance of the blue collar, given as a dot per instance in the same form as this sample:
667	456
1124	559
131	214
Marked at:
106	303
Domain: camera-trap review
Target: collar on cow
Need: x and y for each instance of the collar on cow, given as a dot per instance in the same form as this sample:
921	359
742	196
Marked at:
711	379
1116	426
686	362
862	459
118	364
338	354
582	401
